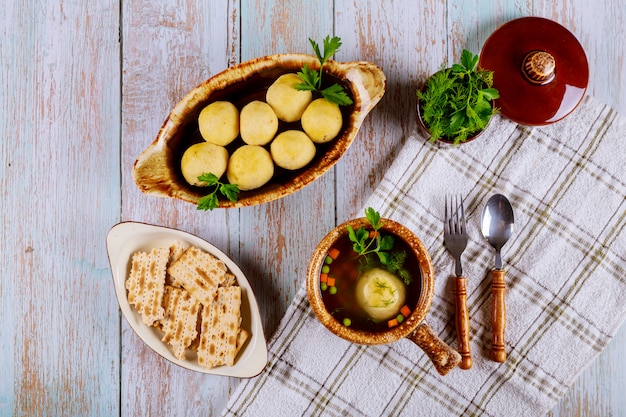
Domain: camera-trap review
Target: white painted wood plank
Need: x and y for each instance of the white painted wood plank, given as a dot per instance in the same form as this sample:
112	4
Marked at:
59	181
408	43
168	49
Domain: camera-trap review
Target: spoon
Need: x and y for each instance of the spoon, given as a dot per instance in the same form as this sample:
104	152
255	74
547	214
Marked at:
497	226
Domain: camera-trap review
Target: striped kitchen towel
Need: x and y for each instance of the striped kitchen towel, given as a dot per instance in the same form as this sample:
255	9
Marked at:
566	280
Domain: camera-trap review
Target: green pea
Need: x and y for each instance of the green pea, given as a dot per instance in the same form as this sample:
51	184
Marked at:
400	318
333	290
328	260
347	322
325	269
324	287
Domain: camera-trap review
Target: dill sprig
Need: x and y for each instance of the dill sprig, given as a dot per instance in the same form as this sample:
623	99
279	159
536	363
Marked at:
456	101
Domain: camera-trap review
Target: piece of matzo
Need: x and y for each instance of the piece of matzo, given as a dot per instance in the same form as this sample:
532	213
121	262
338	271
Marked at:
145	283
179	324
242	336
220	329
176	251
200	273
229	280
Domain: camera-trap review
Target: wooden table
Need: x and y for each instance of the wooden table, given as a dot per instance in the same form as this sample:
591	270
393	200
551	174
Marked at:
85	87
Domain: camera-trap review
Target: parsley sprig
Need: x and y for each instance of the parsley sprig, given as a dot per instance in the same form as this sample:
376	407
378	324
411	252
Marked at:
379	245
211	200
456	102
312	79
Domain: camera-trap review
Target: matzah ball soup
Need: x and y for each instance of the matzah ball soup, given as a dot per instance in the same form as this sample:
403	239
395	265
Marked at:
339	275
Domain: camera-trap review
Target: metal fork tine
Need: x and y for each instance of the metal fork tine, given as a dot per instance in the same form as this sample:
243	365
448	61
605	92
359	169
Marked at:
446	222
456	215
454	220
463	230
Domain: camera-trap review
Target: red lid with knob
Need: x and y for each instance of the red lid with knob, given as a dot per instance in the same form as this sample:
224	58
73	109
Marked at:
540	70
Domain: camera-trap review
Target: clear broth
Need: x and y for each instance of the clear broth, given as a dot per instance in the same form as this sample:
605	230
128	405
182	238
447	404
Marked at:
345	270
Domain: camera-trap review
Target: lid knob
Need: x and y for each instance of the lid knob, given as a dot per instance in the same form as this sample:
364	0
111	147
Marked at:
539	67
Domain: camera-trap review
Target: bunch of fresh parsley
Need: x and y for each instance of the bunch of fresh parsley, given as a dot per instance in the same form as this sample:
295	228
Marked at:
211	201
312	79
457	102
379	245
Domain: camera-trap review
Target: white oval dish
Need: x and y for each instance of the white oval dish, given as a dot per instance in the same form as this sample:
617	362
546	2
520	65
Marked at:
126	238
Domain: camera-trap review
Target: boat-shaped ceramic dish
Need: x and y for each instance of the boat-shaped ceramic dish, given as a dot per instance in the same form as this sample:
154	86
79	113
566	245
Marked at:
126	238
157	170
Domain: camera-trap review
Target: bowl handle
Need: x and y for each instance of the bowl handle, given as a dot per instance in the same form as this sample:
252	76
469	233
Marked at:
153	174
444	358
369	80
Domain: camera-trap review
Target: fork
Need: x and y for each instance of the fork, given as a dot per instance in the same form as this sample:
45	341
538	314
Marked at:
455	241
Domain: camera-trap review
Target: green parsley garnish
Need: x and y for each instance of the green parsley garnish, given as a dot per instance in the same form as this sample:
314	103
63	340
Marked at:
363	244
211	201
456	102
378	245
312	79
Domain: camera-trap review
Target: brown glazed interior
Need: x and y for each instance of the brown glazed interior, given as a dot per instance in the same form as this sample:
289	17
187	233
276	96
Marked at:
157	169
360	336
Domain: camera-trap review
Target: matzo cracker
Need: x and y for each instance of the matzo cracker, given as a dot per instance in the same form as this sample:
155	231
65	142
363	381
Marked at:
200	273
180	320
176	251
145	283
220	329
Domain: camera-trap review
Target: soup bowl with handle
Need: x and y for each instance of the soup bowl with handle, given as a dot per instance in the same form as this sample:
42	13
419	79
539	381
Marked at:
414	327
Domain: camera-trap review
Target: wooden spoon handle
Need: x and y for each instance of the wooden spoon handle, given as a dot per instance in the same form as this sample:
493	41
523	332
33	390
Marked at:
498	315
462	322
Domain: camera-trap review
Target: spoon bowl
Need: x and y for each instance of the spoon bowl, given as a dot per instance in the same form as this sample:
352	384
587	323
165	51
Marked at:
497	224
497	227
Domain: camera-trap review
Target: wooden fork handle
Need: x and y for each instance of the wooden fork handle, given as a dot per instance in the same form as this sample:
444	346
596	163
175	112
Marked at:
462	322
498	315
